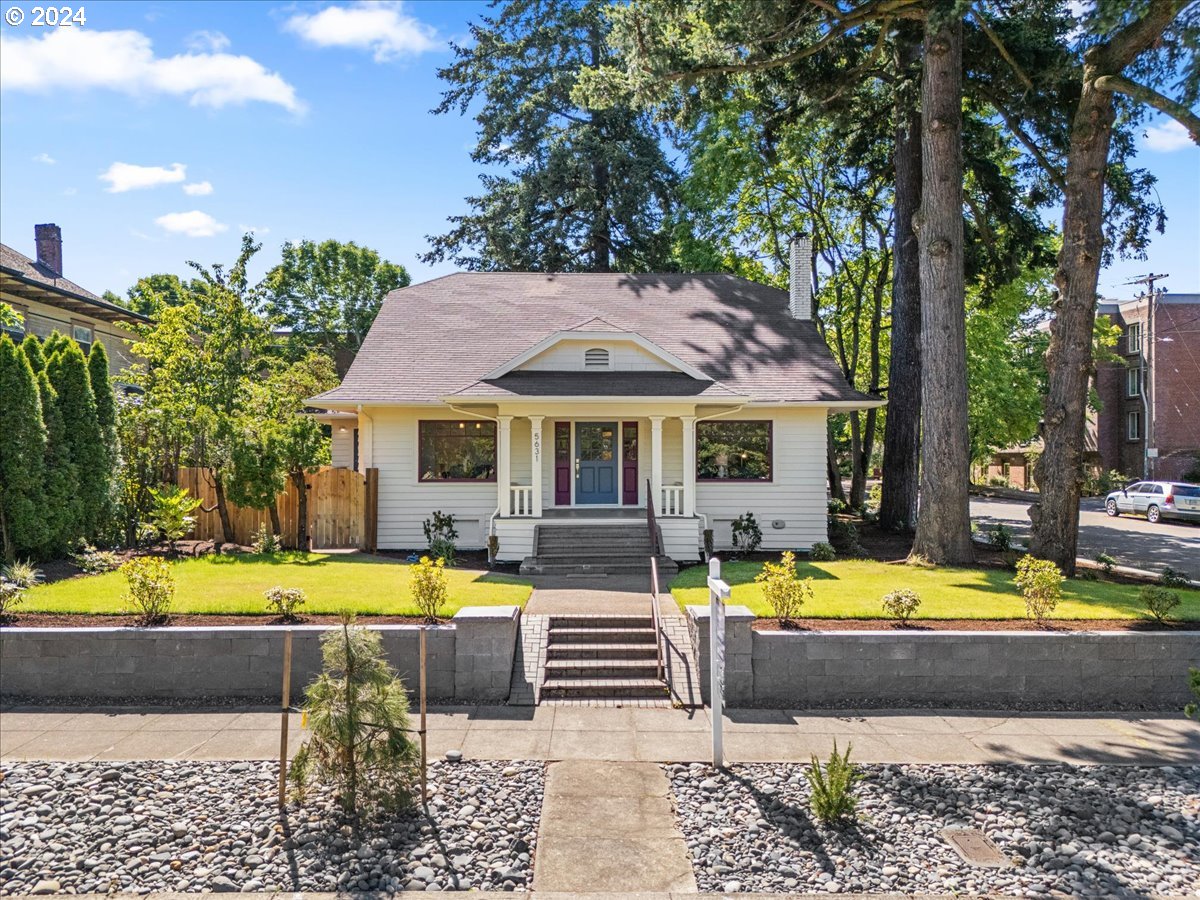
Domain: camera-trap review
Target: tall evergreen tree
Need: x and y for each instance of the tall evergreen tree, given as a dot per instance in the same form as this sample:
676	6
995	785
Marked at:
106	416
62	510
32	348
84	441
22	449
578	190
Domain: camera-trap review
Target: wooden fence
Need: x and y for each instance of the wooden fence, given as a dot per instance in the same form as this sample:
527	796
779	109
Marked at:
341	509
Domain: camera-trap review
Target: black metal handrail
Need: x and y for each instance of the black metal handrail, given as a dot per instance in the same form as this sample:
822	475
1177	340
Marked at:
655	552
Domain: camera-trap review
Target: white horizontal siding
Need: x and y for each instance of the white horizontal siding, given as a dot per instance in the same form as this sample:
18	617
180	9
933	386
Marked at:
405	502
624	356
681	538
795	495
341	446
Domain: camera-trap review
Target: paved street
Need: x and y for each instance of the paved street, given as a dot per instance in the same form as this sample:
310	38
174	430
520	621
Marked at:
1131	540
641	735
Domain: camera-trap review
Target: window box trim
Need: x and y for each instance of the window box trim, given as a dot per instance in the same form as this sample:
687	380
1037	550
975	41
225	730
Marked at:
770	423
421	423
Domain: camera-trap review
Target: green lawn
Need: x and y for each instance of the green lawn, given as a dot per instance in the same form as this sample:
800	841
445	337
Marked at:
852	589
235	584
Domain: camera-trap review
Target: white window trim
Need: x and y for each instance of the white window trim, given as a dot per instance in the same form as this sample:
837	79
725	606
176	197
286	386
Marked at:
1133	382
1133	425
1133	337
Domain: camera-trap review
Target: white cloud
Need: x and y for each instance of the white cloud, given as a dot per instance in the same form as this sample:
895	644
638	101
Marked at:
198	188
193	224
1167	137
45	158
382	27
207	41
123	177
254	229
71	59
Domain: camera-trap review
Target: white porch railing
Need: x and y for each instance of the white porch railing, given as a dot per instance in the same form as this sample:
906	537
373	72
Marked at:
521	499
672	500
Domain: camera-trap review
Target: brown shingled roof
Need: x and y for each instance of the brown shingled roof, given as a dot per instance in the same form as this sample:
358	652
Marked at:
27	278
441	337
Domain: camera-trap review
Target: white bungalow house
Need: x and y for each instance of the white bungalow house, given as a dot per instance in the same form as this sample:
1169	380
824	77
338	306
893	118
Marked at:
518	400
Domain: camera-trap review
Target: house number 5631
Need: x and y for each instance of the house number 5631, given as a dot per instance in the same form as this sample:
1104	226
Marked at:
537	447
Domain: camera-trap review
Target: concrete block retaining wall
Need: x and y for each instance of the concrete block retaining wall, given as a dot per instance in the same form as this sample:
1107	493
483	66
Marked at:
232	661
1095	670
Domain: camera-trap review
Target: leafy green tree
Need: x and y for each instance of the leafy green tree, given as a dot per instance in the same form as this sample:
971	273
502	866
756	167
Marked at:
327	294
22	455
84	440
577	189
152	292
9	317
171	514
62	507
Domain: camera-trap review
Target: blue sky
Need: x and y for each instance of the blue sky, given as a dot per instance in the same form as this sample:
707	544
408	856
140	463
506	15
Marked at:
158	132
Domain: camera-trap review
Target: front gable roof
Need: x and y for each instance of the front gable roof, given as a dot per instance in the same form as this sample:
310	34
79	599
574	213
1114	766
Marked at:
590	335
446	336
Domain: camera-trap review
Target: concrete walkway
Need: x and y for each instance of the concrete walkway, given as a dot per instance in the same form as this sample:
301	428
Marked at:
609	827
645	735
609	595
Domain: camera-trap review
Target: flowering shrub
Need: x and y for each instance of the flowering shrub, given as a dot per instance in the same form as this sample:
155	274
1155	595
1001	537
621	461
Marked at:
901	604
429	586
151	588
284	601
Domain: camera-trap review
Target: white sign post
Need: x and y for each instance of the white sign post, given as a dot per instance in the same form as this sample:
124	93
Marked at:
718	593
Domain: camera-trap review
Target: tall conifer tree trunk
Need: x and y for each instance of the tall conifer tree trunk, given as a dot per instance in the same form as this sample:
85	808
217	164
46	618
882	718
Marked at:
1069	362
902	434
944	521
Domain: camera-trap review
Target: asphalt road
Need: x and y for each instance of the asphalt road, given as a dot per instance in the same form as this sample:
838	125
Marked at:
1131	540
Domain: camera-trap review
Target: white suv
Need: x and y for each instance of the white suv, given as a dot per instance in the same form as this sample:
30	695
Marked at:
1156	500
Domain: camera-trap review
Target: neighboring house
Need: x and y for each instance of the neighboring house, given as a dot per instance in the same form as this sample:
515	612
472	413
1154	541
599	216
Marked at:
1149	421
47	302
513	400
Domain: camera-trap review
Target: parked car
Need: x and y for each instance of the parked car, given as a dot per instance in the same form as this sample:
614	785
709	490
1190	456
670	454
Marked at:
1156	500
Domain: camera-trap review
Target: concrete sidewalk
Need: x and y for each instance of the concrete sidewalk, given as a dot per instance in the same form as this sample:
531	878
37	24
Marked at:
646	735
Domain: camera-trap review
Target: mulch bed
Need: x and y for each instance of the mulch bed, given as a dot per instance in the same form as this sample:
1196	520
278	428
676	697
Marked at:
75	620
1058	626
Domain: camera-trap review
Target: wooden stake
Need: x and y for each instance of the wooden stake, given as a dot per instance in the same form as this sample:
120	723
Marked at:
283	722
424	758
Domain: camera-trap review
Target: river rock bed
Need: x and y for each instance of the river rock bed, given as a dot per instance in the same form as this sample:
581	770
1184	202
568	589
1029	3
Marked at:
214	826
1079	831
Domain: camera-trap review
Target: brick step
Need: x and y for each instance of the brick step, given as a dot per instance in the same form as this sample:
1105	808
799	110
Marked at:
604	689
602	620
601	668
602	651
600	635
582	544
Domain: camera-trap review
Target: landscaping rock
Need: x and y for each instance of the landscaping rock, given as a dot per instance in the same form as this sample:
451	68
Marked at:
1078	831
193	827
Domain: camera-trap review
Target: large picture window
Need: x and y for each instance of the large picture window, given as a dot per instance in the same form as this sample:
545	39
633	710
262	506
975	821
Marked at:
733	451
457	451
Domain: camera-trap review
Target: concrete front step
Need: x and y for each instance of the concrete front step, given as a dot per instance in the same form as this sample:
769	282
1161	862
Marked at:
602	651
636	565
604	688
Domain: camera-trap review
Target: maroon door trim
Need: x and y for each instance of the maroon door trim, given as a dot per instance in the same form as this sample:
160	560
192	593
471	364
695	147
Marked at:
562	463
629	463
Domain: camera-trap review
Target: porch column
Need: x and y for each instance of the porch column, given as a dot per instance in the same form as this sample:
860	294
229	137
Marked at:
656	461
535	461
504	467
689	465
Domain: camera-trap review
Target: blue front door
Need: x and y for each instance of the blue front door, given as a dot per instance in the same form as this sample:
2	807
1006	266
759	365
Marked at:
596	462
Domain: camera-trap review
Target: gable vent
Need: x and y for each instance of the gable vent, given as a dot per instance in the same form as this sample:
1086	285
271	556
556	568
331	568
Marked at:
595	358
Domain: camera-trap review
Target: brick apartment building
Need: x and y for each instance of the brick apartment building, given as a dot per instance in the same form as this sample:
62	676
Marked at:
1149	423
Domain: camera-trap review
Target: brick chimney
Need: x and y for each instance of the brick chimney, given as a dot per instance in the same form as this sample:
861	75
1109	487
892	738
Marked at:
800	287
48	239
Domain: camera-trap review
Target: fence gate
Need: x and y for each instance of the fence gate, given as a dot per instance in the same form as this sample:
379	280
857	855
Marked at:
341	509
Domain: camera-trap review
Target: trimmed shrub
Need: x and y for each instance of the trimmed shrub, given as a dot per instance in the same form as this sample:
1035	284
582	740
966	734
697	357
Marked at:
95	562
747	536
822	552
265	541
1040	583
83	439
64	509
357	712
1173	578
284	601
783	591
429	586
151	588
1159	601
1000	537
22	455
901	604
833	801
